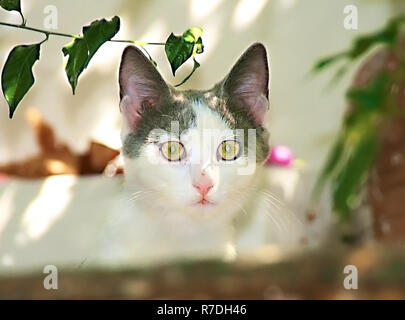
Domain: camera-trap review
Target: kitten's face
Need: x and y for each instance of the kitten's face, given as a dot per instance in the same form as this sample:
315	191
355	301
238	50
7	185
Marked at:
194	152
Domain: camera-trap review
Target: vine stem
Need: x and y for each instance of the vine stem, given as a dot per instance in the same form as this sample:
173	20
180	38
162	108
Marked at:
66	35
22	18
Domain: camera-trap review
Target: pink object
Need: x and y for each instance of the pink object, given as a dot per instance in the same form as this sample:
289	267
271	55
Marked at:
280	156
3	177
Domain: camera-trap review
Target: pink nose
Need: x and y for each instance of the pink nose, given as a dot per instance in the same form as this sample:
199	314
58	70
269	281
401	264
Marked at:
203	187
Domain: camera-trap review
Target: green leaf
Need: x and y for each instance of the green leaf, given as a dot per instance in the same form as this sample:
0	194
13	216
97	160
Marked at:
348	181
372	97
199	47
193	34
180	48
17	77
332	162
82	49
11	5
361	45
177	51
195	67
387	35
326	62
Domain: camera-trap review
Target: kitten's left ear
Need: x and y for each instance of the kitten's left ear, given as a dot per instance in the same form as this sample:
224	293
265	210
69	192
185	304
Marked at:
247	83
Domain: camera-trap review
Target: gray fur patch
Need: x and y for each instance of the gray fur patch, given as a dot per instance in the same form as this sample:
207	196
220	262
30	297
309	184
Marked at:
178	107
175	108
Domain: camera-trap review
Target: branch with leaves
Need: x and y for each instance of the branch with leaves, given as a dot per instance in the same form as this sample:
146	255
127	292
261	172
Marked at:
357	145
17	75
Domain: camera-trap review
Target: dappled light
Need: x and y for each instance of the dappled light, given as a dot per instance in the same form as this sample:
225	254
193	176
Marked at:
246	12
201	9
51	202
7	198
88	186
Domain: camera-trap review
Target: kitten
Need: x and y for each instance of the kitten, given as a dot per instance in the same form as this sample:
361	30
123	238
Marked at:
193	166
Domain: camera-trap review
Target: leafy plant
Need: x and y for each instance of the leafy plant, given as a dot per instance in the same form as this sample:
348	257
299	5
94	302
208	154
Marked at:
355	149
362	45
180	48
81	50
17	76
12	5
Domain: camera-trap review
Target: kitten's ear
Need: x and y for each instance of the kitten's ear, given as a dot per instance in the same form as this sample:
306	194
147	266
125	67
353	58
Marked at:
247	83
141	85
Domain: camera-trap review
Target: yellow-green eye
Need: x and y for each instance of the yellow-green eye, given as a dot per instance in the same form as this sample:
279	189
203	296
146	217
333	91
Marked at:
172	150
229	150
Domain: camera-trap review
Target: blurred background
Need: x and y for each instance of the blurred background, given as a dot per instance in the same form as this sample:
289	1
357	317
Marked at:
305	115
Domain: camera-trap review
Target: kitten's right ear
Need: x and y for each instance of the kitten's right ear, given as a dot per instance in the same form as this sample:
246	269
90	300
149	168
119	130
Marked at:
247	83
141	85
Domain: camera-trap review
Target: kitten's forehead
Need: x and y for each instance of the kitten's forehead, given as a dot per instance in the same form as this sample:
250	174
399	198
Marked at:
207	118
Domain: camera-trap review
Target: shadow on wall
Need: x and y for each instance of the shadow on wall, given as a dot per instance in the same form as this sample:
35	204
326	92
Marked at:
41	225
93	112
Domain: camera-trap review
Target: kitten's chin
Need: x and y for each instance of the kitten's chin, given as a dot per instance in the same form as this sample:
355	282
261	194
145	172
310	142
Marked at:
202	208
203	203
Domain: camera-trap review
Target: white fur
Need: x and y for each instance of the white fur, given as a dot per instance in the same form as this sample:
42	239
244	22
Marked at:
156	219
